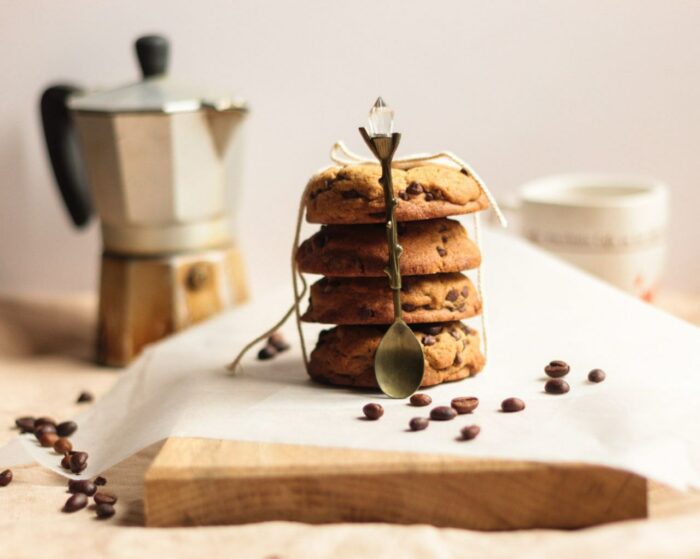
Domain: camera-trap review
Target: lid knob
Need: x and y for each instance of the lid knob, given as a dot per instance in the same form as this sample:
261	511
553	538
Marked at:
153	52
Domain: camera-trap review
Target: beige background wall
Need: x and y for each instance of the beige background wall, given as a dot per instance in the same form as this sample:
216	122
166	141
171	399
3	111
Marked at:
520	89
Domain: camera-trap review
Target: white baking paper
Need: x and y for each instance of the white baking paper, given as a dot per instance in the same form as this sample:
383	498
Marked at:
644	418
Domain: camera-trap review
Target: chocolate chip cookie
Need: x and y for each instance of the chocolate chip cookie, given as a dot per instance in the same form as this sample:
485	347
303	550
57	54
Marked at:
429	247
353	194
424	299
344	355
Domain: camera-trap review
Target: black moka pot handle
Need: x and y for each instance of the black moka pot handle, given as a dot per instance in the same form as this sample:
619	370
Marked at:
153	52
64	152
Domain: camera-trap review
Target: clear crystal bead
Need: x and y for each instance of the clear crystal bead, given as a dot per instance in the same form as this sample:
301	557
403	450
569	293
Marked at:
381	119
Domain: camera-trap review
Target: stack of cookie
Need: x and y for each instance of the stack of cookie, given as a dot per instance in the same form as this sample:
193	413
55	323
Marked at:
351	252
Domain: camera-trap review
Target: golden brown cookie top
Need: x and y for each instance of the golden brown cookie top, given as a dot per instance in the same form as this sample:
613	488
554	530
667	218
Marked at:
353	194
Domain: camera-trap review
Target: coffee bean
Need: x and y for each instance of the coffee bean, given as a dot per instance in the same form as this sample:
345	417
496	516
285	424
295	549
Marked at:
5	478
75	503
277	341
429	340
510	405
414	188
84	486
65	462
373	411
85	397
452	295
268	352
418	423
470	432
78	462
420	400
596	375
102	497
556	386
40	430
465	404
66	429
104	510
48	439
443	413
99	480
62	445
44	421
25	424
441	251
557	369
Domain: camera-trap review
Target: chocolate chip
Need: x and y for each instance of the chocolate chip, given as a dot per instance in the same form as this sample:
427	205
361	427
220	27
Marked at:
443	413
62	445
403	195
48	439
420	400
470	432
465	404
320	239
444	239
414	188
457	360
99	480
102	497
268	352
408	307
104	511
432	329
452	295
277	341
418	423
465	291
429	196
25	424
429	340
5	478
350	194
364	313
596	375
511	405
85	397
78	461
377	215
556	386
373	411
84	486
557	369
75	503
441	251
66	429
455	334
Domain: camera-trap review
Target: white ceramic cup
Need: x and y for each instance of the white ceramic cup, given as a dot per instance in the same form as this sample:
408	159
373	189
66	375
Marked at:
609	225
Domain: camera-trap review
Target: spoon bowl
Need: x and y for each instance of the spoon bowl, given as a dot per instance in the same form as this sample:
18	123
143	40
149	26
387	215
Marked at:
398	362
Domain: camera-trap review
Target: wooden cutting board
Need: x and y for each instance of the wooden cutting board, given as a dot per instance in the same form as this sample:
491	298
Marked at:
195	482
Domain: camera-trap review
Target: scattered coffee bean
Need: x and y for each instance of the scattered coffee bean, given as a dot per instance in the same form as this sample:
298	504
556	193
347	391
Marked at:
65	462
25	424
99	480
104	510
5	478
84	486
465	404
66	429
85	397
48	439
62	445
44	421
443	413
40	430
556	386
78	462
418	423
75	503
429	340
268	352
102	497
596	375
470	432
373	411
277	341
420	399
510	405
557	369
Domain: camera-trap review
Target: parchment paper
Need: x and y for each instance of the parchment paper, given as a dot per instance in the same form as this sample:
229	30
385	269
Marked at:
644	418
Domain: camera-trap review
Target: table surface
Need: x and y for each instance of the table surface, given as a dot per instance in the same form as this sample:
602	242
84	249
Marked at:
45	361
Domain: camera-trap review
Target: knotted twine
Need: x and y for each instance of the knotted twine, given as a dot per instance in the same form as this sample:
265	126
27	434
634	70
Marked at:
341	155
